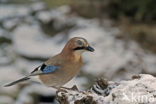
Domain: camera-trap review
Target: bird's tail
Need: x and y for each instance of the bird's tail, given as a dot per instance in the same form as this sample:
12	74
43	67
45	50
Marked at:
15	82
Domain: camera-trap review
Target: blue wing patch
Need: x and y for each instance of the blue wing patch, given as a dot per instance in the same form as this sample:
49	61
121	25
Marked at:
50	69
44	69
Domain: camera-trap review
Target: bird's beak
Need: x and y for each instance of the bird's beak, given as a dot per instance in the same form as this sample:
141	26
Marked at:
89	48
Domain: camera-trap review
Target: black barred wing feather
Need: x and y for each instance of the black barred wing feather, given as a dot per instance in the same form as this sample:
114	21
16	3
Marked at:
44	69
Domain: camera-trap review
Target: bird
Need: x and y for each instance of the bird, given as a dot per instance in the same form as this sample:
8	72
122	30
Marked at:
61	68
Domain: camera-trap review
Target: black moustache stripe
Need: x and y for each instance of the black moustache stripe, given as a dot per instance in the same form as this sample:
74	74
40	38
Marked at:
79	48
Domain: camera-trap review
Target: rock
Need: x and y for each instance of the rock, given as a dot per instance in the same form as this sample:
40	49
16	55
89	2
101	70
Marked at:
140	89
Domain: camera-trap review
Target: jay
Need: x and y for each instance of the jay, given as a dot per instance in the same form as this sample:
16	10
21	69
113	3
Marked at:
61	68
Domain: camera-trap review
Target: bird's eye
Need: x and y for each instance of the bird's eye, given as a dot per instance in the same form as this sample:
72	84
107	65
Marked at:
79	42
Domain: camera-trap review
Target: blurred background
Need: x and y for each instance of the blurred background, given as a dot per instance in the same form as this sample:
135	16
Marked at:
123	33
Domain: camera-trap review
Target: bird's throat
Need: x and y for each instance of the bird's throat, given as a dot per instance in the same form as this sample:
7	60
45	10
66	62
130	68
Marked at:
77	57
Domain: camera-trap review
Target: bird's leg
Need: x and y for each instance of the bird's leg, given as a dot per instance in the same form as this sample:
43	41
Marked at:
61	88
57	88
72	88
64	88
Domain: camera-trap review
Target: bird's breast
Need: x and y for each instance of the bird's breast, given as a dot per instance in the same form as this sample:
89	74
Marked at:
66	72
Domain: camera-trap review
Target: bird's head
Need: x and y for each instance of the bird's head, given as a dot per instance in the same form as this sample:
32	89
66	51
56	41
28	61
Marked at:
78	45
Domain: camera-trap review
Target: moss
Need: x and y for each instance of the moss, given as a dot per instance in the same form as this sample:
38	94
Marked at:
137	10
5	40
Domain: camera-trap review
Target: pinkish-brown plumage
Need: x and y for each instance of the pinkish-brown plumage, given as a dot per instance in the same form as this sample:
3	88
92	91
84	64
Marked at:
63	67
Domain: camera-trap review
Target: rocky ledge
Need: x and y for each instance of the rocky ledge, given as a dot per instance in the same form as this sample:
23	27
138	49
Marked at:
141	89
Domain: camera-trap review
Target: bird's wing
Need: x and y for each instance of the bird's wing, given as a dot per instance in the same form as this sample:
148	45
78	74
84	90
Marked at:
44	69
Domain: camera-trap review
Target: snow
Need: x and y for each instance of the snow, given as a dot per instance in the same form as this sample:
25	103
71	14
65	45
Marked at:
24	95
136	91
110	57
11	11
6	100
29	41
